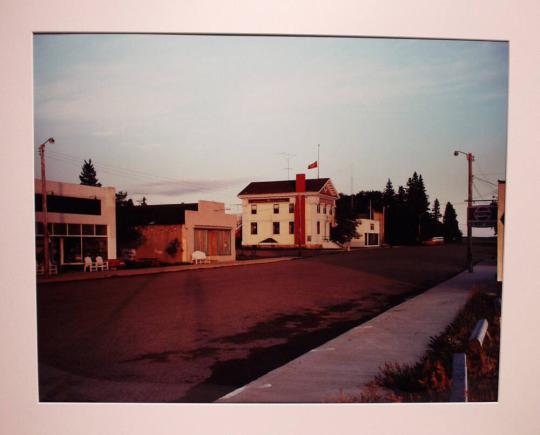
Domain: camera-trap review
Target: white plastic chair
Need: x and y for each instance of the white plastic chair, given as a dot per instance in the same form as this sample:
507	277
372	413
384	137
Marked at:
53	269
199	257
100	264
88	264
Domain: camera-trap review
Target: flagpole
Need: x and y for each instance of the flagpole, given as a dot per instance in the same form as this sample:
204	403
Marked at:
318	163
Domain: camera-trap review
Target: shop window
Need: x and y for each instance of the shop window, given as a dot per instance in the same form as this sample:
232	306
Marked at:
101	230
94	246
275	227
74	229
87	230
72	250
39	227
60	229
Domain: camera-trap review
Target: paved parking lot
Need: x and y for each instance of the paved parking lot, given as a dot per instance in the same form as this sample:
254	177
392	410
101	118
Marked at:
194	336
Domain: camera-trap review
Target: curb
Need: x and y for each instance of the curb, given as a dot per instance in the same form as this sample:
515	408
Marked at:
150	271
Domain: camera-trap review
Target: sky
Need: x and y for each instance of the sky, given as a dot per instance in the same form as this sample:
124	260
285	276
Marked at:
178	118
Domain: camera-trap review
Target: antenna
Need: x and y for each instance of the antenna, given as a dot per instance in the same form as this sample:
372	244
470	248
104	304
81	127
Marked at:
288	158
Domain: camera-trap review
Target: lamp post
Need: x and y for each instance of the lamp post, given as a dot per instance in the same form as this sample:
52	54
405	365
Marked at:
44	208
470	159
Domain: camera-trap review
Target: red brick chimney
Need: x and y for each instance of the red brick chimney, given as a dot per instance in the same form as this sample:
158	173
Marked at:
300	182
300	212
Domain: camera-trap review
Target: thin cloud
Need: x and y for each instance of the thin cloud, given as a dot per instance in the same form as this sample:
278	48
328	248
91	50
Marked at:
177	188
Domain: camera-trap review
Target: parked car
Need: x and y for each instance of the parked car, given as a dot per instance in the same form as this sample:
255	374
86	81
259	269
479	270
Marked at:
434	241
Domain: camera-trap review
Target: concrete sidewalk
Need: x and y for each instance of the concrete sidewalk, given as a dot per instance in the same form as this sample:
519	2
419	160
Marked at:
350	361
83	276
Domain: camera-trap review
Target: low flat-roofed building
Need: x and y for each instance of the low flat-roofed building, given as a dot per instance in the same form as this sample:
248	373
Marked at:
81	222
368	233
289	213
172	232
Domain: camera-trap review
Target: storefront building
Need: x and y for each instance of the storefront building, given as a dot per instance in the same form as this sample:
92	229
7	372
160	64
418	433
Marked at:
81	222
172	232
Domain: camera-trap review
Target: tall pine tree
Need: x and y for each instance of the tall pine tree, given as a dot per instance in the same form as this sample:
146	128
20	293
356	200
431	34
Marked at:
451	229
436	212
389	194
88	175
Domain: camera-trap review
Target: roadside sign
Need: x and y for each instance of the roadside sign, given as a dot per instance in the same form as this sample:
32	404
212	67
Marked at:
482	216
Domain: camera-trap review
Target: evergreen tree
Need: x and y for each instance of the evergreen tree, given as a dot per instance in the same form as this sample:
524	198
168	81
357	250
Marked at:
389	194
88	174
142	202
401	195
436	212
451	229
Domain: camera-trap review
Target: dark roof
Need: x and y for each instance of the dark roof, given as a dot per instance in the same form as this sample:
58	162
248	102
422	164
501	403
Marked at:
286	186
164	214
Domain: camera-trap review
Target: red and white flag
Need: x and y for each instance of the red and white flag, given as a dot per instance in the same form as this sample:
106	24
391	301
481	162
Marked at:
313	165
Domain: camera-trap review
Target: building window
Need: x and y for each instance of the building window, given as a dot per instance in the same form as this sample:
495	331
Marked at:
88	229
276	208
74	229
72	250
324	210
253	227
275	226
60	229
291	207
318	227
291	227
372	226
101	230
253	208
331	210
318	208
94	246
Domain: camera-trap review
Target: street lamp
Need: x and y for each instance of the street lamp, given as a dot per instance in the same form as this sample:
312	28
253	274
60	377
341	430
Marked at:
44	208
470	159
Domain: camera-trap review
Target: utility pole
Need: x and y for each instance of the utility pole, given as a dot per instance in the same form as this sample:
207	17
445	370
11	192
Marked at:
470	159
44	208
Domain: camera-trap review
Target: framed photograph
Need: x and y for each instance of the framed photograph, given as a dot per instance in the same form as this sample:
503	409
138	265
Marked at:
359	167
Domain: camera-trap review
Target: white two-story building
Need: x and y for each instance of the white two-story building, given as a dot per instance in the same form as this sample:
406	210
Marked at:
291	213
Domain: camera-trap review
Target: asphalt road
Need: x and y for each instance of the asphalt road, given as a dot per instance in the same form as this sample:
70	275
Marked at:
194	336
